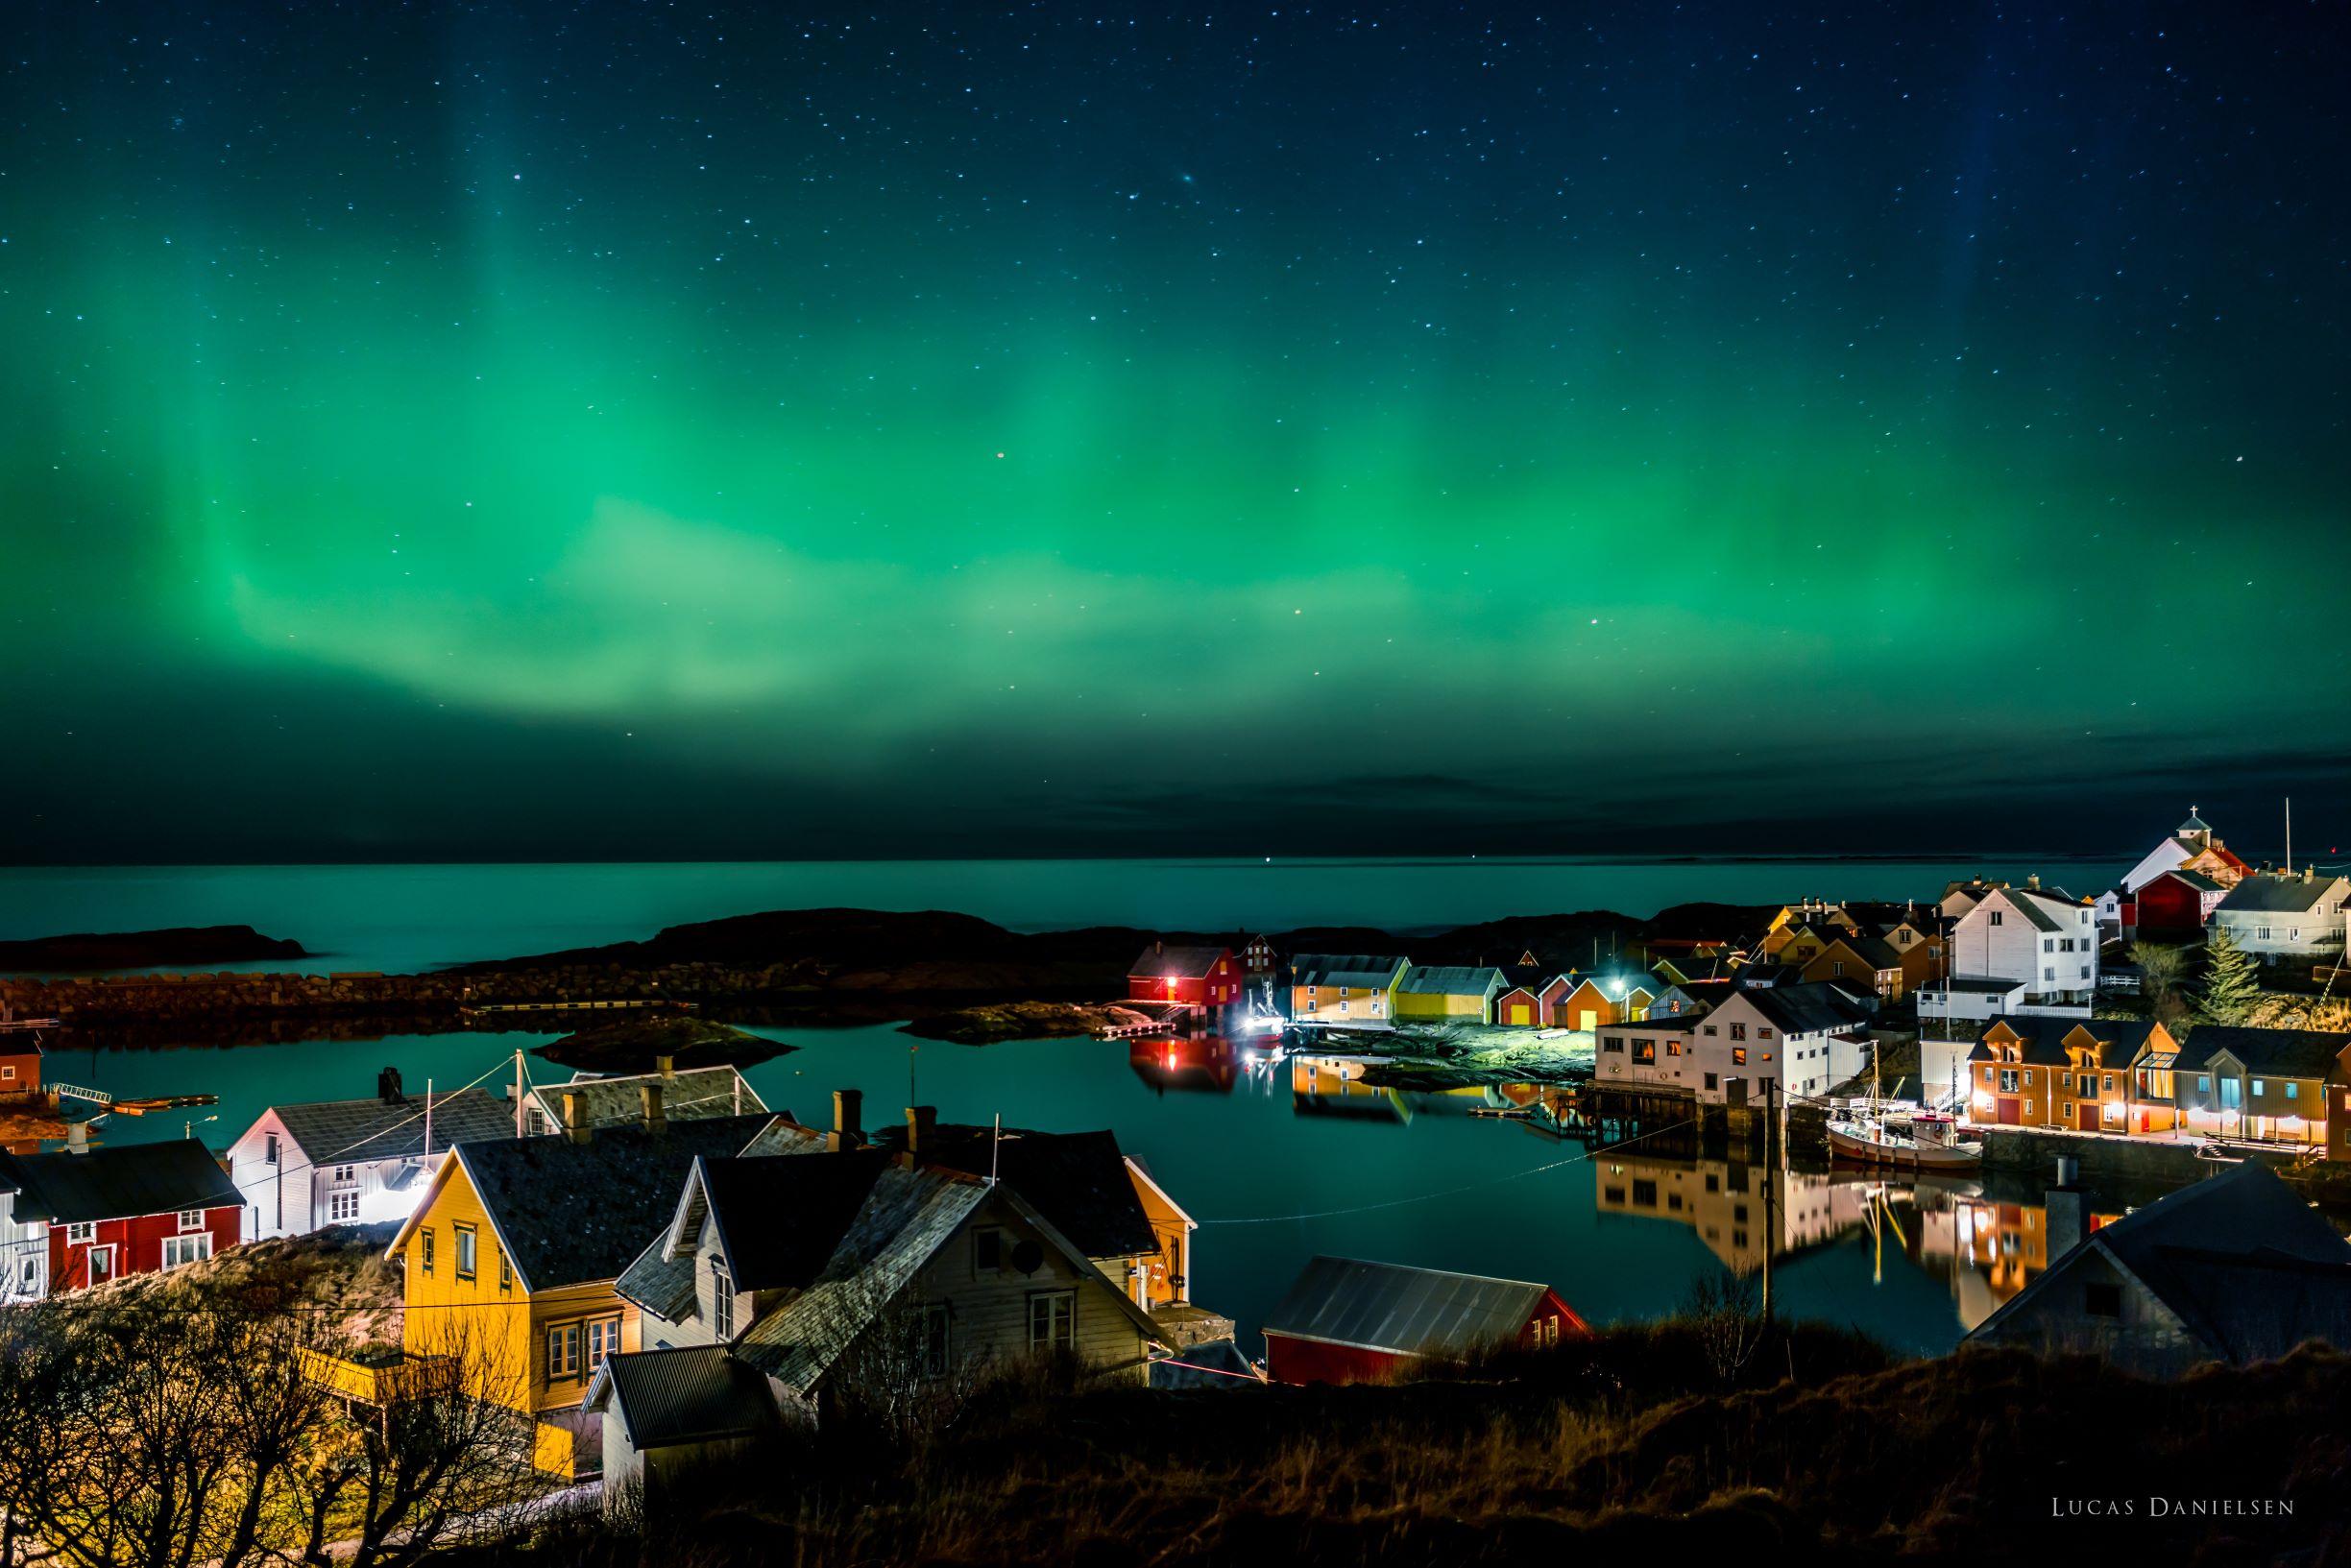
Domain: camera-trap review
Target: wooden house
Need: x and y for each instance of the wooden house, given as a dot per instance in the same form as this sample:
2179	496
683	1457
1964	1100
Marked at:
1201	976
1346	1321
20	1064
1441	991
1521	1007
1257	956
2259	1085
511	1259
2084	1076
2173	906
353	1162
2281	918
2237	1269
782	1283
1581	1003
1866	964
74	1220
1348	990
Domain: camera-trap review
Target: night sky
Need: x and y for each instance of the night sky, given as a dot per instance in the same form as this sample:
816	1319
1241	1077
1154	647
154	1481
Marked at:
662	431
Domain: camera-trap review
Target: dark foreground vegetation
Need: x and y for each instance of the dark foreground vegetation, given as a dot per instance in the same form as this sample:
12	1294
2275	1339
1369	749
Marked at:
1698	1441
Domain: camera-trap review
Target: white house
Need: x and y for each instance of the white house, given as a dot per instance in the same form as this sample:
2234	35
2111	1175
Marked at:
1808	1039
353	1162
2282	918
2190	848
2019	950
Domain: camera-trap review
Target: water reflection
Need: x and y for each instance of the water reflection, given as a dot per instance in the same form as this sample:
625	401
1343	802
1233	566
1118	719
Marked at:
1193	1064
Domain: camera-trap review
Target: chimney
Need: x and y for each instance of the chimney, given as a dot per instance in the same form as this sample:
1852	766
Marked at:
575	1117
922	1127
76	1137
848	1121
656	1117
2033	881
665	1066
2068	1209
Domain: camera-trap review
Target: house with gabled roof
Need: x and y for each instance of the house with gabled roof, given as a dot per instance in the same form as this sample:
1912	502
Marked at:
2260	1085
82	1216
1448	991
353	1162
2283	919
1354	990
1866	964
2237	1269
510	1259
2019	950
2080	1074
1352	1320
1201	976
823	1272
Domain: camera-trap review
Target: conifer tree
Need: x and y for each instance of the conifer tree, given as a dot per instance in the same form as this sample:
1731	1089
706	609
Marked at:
2232	981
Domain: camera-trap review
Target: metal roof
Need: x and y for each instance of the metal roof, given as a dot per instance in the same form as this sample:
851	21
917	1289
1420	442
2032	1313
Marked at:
1160	962
698	1094
120	1183
1412	1312
1369	971
687	1394
2272	895
1450	981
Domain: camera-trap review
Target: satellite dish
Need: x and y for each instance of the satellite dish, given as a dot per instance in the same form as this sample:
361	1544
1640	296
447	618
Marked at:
1027	1257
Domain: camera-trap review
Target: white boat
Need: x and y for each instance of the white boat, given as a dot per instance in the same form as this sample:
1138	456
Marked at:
1919	1141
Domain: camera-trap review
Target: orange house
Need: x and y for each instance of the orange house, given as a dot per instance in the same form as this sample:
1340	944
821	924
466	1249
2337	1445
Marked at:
1862	962
2066	1072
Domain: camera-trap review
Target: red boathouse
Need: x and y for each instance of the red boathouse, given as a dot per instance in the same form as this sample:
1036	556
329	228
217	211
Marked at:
1346	1321
1203	977
136	1209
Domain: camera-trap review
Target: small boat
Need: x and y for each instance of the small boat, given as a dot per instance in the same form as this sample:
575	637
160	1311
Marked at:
1921	1140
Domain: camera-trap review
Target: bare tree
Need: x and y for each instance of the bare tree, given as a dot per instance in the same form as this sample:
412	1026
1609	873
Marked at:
1726	1312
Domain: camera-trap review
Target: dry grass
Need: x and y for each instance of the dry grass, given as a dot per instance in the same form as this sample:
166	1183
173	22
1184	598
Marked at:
1575	1455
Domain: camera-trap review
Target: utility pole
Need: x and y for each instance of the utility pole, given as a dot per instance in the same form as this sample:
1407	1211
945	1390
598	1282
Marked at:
518	1091
2289	835
428	1119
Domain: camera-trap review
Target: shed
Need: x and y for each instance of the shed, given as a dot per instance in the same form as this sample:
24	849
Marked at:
1448	991
1349	1321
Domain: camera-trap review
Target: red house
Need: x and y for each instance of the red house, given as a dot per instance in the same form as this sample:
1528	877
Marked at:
1345	1320
136	1209
20	1065
1203	977
2177	904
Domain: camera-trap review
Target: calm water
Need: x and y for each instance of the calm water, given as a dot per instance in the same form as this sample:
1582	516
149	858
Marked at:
405	918
1622	1235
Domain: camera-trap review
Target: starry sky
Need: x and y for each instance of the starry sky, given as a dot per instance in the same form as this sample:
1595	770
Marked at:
522	431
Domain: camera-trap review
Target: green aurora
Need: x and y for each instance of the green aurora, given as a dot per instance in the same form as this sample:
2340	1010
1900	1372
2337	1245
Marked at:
471	432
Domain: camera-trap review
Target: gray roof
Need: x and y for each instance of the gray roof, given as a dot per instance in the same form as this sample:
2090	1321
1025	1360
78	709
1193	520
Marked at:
123	1182
2194	879
373	1129
2272	895
1079	1180
697	1094
1366	970
1450	981
1160	963
2250	1270
1415	1312
1806	1009
665	1285
2289	1053
687	1394
569	1213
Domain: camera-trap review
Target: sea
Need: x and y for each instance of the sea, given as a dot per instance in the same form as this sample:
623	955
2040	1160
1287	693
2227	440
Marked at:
1278	1159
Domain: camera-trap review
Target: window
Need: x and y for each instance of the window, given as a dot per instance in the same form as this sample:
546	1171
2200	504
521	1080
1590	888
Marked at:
1053	1320
722	1299
1613	1046
2294	1091
1673	1047
345	1174
562	1351
86	1231
1739	1032
2101	1299
2256	1085
191	1220
1995	917
1738	1056
987	1249
426	1251
1763	1033
2065	1080
181	1251
2049	975
342	1207
465	1251
505	1271
2109	1083
1712	1081
2049	943
603	1339
2008	1081
937	1346
1836	966
7	1073
269	1149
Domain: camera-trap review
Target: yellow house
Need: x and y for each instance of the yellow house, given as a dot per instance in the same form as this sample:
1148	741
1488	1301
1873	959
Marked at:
510	1259
1346	989
1439	991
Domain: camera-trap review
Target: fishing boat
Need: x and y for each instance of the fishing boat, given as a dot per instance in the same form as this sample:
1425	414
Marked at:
1912	1140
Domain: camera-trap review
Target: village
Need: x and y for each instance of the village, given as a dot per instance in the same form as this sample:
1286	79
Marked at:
650	1271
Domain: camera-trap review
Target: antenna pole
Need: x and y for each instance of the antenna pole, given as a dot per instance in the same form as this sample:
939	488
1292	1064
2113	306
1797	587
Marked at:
428	1119
995	1140
518	1091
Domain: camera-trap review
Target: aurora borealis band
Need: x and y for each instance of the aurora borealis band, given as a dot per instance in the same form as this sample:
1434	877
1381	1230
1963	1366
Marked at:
650	432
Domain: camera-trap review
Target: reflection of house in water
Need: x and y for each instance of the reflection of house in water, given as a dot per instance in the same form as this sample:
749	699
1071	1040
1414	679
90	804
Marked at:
1202	1063
1725	1204
1989	1251
1334	1086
